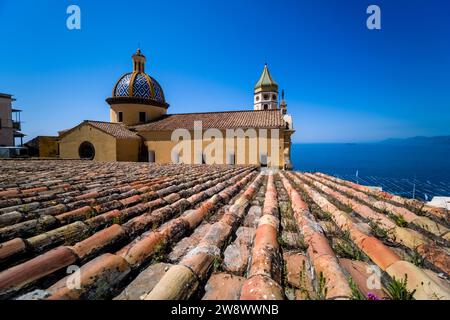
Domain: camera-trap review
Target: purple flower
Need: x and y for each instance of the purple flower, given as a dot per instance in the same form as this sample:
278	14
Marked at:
372	296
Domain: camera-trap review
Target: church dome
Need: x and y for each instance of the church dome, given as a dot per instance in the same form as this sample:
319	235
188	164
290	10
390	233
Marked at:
137	86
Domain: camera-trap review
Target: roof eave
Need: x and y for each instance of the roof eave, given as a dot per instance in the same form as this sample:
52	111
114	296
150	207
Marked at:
267	88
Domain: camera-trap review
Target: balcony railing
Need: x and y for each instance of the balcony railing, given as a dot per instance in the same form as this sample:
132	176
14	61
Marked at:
17	125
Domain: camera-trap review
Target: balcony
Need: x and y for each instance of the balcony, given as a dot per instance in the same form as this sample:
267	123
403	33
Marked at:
17	125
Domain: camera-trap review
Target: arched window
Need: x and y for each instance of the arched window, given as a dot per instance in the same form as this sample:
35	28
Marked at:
86	150
266	107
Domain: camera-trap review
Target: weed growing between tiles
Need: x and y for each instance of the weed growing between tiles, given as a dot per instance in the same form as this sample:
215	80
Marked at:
388	236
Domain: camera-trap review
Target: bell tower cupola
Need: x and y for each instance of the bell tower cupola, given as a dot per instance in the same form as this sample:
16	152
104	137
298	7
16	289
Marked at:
266	92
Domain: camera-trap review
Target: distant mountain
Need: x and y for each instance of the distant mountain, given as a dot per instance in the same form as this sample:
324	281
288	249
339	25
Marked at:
420	140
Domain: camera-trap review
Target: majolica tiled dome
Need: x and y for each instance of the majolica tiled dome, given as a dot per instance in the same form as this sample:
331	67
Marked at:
138	85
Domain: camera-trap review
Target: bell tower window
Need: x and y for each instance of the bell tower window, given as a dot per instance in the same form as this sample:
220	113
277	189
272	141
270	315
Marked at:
266	107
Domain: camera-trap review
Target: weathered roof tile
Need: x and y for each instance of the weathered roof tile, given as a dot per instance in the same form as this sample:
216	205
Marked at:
217	120
114	218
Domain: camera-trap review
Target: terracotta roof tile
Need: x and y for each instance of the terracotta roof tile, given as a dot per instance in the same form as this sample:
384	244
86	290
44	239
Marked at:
218	120
116	130
116	219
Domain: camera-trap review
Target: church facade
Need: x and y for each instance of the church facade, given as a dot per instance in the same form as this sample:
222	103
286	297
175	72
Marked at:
141	129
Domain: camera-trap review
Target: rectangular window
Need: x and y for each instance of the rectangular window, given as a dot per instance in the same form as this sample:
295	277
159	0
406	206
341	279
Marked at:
120	117
263	160
151	156
231	159
142	117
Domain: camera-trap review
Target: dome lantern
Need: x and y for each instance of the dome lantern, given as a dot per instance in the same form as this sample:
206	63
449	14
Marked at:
138	61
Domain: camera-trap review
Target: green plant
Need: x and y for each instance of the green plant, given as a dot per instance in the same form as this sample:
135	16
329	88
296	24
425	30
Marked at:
285	208
217	263
377	230
322	289
90	214
399	220
303	285
345	234
324	215
285	275
281	241
116	220
159	254
397	289
356	294
302	245
345	249
416	258
290	226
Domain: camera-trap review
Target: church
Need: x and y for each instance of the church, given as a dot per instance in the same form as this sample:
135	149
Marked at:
141	129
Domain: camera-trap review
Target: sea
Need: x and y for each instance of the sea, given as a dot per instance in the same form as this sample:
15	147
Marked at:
413	171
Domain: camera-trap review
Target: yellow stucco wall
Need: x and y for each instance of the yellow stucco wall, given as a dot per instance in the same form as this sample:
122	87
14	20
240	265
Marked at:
48	147
131	112
108	148
161	144
104	144
128	149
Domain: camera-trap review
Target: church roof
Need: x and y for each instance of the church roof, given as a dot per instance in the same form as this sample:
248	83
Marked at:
218	120
265	82
116	130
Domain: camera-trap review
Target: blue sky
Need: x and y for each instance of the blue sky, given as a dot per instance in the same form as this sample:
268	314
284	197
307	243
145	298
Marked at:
343	82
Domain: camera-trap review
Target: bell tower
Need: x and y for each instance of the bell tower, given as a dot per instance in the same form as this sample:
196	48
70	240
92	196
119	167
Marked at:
266	92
